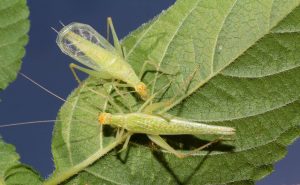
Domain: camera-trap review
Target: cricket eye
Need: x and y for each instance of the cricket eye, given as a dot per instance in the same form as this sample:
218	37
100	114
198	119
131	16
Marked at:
104	118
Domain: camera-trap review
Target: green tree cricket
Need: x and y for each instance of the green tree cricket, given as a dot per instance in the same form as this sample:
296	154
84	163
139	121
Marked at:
87	46
145	122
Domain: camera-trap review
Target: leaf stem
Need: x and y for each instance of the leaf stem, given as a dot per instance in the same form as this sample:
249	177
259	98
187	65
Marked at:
59	177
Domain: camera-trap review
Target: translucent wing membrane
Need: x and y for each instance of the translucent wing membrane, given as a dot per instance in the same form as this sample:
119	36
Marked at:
76	32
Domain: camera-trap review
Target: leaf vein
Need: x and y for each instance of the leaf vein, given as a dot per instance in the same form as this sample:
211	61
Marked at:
102	177
217	38
68	123
176	31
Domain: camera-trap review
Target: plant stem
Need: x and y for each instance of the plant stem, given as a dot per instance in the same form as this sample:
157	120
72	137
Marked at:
59	177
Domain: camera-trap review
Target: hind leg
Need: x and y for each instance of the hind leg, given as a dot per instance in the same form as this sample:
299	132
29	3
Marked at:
163	144
110	27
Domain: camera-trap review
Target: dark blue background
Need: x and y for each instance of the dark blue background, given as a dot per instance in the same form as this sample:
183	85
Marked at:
45	63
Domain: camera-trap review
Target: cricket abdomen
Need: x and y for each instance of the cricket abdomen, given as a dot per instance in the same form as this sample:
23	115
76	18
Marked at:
121	70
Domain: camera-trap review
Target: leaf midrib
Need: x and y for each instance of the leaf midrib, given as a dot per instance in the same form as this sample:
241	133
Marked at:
69	122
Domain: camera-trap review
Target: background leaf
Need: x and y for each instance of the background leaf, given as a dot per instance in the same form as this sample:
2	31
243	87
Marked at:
248	78
12	171
14	26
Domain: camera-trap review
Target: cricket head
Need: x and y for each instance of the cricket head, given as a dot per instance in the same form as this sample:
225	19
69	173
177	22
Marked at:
142	90
104	118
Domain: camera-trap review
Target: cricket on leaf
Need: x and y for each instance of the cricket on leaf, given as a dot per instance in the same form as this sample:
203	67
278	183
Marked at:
84	44
149	120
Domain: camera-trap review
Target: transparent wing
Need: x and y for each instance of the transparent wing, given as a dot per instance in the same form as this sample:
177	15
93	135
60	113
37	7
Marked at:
86	32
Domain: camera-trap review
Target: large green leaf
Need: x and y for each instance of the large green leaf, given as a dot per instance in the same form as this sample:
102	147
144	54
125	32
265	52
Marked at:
14	26
237	64
12	171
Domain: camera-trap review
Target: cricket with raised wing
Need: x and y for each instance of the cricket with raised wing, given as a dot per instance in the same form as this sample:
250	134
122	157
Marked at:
87	46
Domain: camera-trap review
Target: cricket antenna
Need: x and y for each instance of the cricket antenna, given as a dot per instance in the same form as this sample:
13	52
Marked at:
41	121
54	30
50	92
27	123
35	122
42	87
61	23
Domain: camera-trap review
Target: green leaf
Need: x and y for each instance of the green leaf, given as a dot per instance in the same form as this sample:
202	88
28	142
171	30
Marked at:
12	171
14	26
237	65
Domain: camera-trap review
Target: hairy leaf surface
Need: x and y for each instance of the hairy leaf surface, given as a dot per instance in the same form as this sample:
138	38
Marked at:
14	26
12	171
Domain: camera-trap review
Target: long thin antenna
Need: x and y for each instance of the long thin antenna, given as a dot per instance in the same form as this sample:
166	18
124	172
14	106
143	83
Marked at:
53	94
44	121
27	123
60	22
42	87
36	122
54	30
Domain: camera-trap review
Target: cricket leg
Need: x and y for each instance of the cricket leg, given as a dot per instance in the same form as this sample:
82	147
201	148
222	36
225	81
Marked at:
120	132
181	94
124	52
162	70
125	145
114	85
102	74
109	99
156	77
203	147
105	105
110	27
157	68
163	144
156	106
120	94
189	79
148	105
